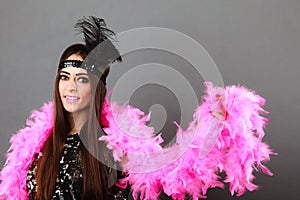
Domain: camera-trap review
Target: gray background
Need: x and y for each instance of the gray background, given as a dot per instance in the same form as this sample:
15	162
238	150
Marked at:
254	43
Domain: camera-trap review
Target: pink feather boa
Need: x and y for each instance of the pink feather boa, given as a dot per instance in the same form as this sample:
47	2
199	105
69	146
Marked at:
225	136
24	145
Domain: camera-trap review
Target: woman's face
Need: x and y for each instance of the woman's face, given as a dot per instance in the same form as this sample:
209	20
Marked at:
75	87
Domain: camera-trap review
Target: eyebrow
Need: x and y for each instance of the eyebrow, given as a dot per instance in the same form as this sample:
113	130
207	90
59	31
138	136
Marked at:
65	72
78	74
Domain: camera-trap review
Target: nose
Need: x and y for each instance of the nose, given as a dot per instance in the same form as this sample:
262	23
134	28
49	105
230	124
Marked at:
72	85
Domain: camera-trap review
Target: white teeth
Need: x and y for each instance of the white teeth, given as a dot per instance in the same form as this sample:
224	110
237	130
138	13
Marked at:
71	98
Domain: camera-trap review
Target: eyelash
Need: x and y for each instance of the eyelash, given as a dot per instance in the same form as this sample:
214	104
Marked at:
79	79
63	77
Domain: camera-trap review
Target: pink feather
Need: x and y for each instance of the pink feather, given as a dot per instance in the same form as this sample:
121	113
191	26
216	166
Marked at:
224	136
24	145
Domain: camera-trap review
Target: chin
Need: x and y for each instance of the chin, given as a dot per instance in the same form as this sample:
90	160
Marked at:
76	110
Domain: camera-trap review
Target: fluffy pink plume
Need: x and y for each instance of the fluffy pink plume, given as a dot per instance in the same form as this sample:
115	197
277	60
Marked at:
24	145
225	136
127	131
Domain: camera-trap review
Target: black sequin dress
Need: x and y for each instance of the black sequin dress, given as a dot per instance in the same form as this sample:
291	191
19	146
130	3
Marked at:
69	184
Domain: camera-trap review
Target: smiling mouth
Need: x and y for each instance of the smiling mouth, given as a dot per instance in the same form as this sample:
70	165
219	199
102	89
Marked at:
71	98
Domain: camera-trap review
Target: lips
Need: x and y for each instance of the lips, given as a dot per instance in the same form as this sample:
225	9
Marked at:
71	98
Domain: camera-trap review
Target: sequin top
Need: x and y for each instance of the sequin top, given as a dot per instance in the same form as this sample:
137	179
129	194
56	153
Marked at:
69	184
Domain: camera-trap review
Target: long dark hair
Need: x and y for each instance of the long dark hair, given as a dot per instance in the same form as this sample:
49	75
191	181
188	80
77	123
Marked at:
95	185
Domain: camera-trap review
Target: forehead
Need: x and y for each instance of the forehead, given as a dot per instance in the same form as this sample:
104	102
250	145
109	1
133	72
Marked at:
74	70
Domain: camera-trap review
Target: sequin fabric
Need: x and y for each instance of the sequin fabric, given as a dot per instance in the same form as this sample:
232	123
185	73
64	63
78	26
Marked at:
69	182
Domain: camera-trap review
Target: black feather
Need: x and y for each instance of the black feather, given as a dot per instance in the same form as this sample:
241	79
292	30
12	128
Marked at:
98	40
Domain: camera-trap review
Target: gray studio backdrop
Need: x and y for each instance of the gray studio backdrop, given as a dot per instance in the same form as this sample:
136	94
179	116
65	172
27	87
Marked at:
255	43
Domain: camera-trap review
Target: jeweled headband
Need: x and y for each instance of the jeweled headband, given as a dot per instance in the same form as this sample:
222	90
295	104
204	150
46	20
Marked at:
81	64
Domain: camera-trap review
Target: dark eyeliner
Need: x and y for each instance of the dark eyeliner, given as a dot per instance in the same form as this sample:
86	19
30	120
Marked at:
63	77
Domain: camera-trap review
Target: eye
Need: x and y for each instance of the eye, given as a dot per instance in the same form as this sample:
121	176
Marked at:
83	79
63	77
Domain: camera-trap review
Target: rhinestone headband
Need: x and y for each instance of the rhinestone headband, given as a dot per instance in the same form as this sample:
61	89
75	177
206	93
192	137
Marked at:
81	64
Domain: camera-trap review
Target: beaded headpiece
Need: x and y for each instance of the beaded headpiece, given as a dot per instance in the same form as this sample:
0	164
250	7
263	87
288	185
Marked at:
98	42
79	64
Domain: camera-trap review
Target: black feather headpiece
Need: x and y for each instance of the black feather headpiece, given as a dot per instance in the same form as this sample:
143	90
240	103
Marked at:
99	47
98	40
